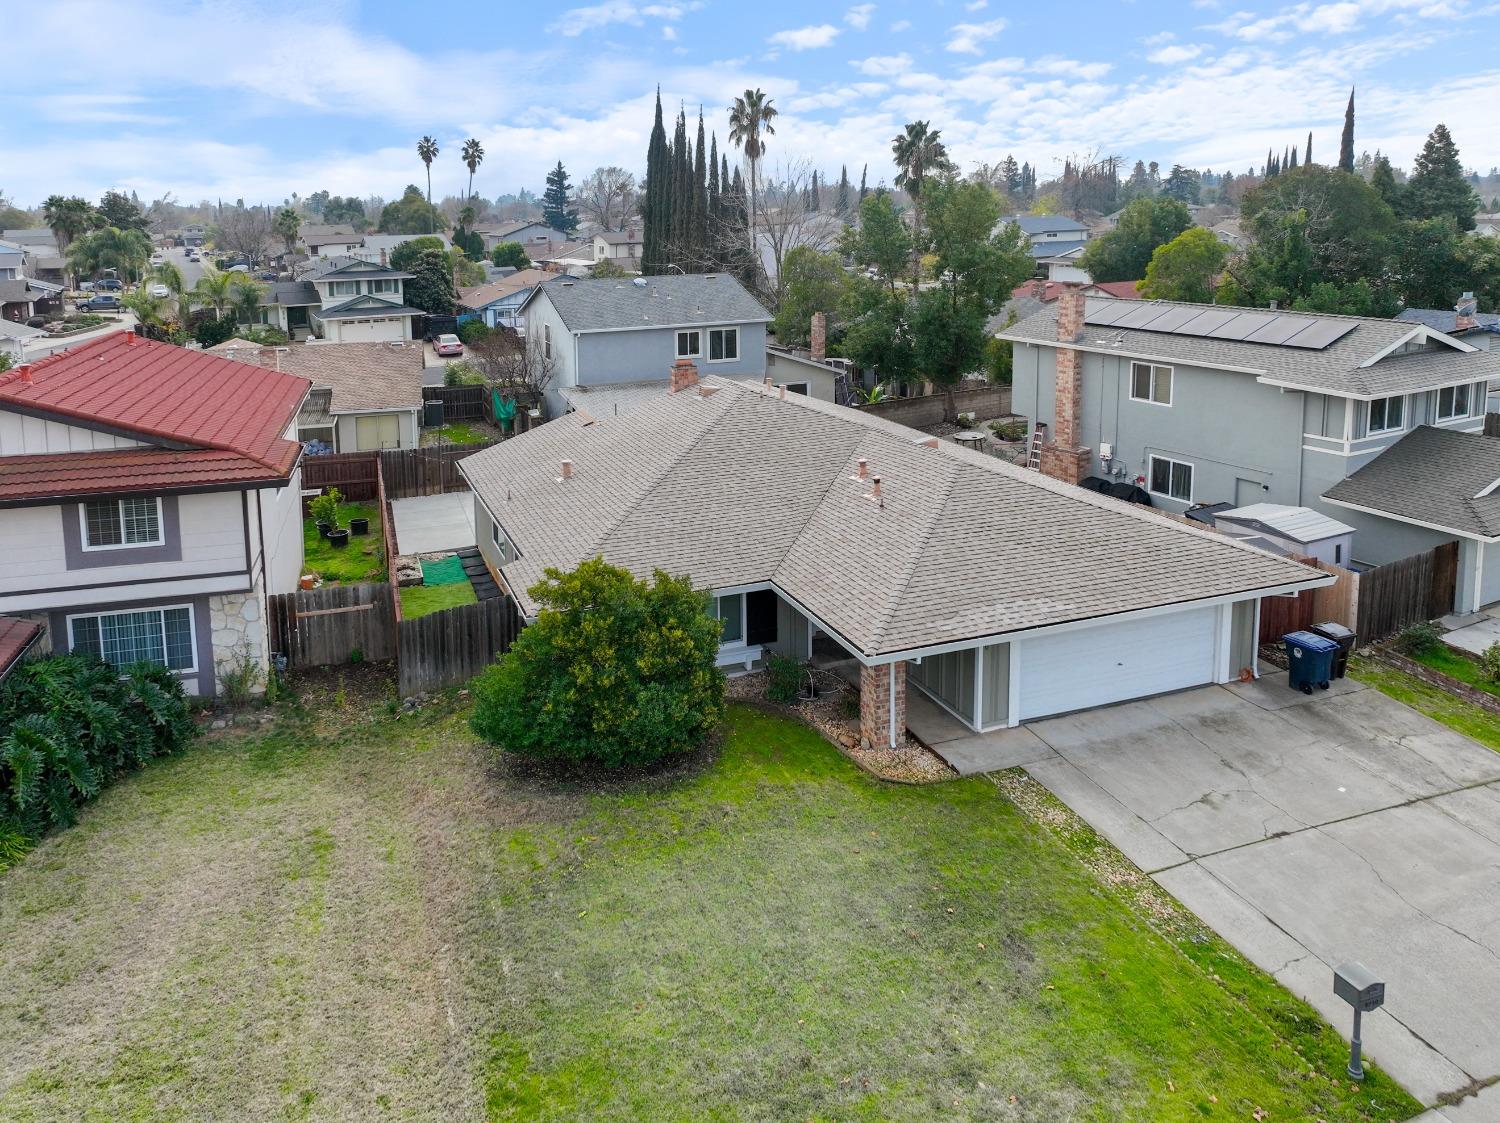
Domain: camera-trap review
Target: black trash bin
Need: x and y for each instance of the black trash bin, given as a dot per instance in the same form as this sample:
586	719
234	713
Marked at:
1331	629
1309	661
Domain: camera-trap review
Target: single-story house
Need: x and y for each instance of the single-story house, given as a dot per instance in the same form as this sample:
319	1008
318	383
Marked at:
364	396
1002	595
25	297
1290	530
1442	480
498	302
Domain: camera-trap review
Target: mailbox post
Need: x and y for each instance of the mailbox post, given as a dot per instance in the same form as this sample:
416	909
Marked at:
1357	985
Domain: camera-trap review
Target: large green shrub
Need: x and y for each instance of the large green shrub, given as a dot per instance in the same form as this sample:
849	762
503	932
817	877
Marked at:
614	671
783	679
69	724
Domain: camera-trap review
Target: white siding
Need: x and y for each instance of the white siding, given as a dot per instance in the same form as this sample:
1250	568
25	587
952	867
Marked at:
281	514
29	436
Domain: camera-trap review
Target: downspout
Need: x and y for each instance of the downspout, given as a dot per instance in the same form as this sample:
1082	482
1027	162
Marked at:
892	692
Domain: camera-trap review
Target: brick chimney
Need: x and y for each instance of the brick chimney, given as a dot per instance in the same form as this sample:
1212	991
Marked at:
820	336
684	375
1065	458
1466	307
384	260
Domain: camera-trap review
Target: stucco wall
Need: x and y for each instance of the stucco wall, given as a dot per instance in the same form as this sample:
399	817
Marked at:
638	356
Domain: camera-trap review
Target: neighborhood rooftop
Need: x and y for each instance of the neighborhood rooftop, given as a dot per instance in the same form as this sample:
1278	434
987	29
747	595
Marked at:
1432	477
740	486
667	301
362	376
1350	364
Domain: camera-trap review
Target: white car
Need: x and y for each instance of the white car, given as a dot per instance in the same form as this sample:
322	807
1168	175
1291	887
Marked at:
160	289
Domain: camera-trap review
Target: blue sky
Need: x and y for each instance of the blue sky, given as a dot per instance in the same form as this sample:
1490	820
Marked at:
258	100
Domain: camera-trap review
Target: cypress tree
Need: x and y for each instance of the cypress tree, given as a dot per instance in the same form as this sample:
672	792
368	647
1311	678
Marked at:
680	222
1438	187
862	190
1308	161
1270	166
714	231
700	197
654	208
1383	180
1346	141
1292	159
841	201
813	202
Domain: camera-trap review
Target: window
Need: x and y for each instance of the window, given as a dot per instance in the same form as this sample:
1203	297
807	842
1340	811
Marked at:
502	543
1386	414
689	344
1338	553
723	345
113	524
163	636
1171	478
731	613
796	387
547	340
1150	383
343	288
385	284
1453	401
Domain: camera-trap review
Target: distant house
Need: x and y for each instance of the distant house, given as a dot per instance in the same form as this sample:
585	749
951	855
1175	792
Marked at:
576	258
43	260
1229	232
529	233
608	338
364	396
342	300
1036	294
12	261
1464	320
150	501
323	240
25	297
1487	225
378	247
498	302
1299	531
623	247
1056	244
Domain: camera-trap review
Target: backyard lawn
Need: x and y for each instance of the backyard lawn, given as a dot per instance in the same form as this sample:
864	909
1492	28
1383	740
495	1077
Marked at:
419	600
360	561
360	916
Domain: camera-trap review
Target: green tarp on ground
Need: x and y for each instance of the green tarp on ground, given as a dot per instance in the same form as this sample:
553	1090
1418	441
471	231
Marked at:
444	571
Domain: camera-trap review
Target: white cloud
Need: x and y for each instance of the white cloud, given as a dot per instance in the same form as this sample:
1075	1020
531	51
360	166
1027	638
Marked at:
575	21
1158	39
1175	53
976	5
882	66
1071	68
966	37
805	38
669	33
858	17
901	25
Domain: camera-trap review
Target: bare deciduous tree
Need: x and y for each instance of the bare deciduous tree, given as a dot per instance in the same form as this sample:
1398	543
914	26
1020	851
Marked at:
787	220
244	230
514	364
607	196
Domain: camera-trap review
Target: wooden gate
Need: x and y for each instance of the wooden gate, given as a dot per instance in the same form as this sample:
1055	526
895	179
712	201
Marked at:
323	627
1280	615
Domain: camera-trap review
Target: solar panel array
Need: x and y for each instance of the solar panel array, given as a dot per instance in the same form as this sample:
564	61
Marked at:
1279	329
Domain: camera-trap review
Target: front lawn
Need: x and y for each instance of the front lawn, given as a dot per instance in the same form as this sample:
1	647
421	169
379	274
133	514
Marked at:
360	916
360	561
419	600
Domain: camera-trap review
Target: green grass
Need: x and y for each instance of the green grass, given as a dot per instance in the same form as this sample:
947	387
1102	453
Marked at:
358	562
1456	665
419	600
460	433
1451	710
363	916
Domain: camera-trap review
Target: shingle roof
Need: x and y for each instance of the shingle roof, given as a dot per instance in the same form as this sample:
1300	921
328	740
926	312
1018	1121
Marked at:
164	395
1045	223
117	471
743	487
290	293
15	637
18	289
509	285
1431	476
362	376
1446	319
1057	249
364	270
315	233
1335	370
607	304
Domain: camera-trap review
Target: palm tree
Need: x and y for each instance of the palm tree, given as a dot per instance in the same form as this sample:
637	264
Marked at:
473	157
285	226
427	148
244	297
749	122
919	153
68	218
168	274
467	217
213	291
125	251
150	311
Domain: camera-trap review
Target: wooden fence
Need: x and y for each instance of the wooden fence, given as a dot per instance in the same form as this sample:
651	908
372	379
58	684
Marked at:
1338	602
424	471
353	473
461	403
1403	592
452	646
322	627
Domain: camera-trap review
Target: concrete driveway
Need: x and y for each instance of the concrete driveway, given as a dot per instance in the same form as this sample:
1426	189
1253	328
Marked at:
1309	831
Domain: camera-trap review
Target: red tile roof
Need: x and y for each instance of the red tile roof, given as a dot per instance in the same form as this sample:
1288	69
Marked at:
1048	291
69	475
15	637
162	391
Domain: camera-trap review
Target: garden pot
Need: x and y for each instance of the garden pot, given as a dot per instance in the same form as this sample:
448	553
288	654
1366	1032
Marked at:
338	538
324	527
307	580
359	527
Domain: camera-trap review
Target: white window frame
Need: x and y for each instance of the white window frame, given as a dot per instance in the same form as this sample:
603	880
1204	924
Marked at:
733	644
83	527
1155	371
162	609
384	285
725	333
696	351
1172	463
547	340
502	543
334	290
330	429
1453	391
1400	426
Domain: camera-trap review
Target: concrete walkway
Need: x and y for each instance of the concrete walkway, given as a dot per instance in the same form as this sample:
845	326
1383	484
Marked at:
434	524
1475	632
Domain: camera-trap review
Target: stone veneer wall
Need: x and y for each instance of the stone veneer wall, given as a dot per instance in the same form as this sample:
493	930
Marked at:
238	630
875	706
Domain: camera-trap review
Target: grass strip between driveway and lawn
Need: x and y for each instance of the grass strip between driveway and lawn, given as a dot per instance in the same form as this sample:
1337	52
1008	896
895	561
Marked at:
1438	704
362	915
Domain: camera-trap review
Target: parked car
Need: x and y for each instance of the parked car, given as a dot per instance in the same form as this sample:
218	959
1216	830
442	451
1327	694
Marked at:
237	269
448	345
160	289
109	284
266	275
104	302
85	286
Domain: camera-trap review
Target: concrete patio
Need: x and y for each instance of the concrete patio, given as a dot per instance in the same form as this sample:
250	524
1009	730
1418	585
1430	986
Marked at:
434	524
1475	632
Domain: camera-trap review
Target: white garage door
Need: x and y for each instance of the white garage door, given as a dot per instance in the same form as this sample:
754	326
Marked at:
1114	662
369	331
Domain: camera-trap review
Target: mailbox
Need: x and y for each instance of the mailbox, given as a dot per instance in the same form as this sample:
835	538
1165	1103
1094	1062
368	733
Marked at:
1357	985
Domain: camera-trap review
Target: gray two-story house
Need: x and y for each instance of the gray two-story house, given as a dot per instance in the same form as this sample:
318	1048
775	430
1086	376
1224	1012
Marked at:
1203	404
610	343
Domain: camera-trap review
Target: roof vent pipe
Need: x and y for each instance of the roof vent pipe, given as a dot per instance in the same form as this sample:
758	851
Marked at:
875	492
864	468
24	370
567	469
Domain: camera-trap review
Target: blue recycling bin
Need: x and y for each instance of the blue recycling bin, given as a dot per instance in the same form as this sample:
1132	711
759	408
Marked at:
1309	660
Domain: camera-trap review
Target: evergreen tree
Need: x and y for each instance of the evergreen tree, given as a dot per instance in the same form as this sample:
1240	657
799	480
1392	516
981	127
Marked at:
1011	171
1383	180
557	211
1270	166
1308	159
1346	141
841	200
1437	188
680	199
700	198
814	202
1292	161
863	172
655	204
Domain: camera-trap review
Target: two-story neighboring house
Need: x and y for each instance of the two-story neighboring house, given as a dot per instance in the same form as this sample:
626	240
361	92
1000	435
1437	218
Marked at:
1203	404
533	235
607	339
343	300
1056	244
328	240
150	500
623	247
